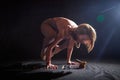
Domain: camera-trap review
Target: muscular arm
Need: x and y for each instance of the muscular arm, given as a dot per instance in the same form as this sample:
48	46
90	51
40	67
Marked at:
49	51
70	50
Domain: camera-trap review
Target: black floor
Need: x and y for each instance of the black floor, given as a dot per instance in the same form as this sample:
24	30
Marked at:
34	70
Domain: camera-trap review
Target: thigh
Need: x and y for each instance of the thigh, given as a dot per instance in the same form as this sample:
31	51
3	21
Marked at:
47	31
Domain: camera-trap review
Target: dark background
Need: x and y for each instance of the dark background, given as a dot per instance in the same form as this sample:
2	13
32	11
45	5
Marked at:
21	39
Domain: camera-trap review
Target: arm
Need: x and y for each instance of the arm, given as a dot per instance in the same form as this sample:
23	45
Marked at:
50	48
69	51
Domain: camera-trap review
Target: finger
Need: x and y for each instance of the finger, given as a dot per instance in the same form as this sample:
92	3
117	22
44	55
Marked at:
47	67
52	67
68	63
56	67
73	63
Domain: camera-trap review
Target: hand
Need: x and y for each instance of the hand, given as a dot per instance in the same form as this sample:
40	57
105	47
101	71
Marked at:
51	66
72	63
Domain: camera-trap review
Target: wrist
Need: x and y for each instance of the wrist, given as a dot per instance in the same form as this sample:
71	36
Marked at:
49	62
68	61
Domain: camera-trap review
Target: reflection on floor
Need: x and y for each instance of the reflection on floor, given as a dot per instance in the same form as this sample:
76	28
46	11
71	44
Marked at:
34	70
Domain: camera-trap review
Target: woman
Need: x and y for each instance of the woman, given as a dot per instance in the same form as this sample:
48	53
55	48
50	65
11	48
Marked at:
57	29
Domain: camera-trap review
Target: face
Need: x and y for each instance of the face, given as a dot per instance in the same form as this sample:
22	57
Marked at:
83	38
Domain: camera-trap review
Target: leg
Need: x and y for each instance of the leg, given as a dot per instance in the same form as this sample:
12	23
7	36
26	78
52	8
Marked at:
49	52
49	34
46	42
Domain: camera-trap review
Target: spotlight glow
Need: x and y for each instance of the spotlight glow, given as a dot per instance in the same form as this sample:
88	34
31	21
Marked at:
100	18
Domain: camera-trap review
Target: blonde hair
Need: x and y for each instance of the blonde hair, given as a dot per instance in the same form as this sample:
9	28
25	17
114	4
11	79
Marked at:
90	31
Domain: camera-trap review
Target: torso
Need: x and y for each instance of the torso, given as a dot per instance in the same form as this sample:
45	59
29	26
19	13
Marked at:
65	25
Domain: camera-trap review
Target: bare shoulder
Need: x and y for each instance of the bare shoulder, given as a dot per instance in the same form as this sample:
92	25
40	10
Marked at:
65	22
71	40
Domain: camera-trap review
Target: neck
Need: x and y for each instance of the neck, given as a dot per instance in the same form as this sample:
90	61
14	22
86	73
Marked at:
73	34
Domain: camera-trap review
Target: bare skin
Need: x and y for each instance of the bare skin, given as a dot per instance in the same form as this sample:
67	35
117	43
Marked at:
64	26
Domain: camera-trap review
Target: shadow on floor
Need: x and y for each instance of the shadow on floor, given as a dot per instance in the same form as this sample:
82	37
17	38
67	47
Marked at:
19	71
